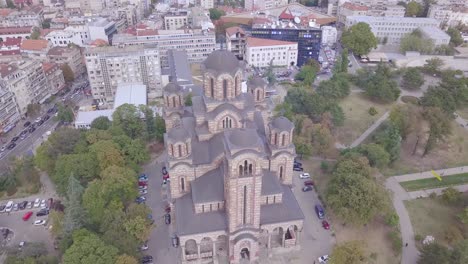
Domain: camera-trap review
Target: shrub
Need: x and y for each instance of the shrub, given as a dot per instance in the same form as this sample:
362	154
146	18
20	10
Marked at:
397	244
451	195
372	111
418	237
392	220
324	166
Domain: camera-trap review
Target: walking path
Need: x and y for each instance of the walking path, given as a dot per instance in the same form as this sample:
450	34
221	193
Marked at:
410	253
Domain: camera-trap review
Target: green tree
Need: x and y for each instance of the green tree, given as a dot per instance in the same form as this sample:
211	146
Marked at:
403	118
36	33
160	128
216	14
344	61
412	79
107	153
46	23
451	195
322	139
390	139
74	217
84	167
68	74
302	147
307	75
95	135
149	122
65	114
376	154
351	252
434	253
134	151
413	9
433	65
392	220
456	38
359	39
439	127
188	99
10	4
460	252
56	219
284	109
380	85
415	42
88	248
102	123
463	216
126	259
337	87
127	118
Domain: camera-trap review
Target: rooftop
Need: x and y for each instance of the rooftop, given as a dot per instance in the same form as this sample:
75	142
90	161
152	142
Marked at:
87	117
372	19
47	66
259	42
34	44
354	7
208	187
234	30
59	51
434	32
6	69
15	30
288	210
130	93
179	67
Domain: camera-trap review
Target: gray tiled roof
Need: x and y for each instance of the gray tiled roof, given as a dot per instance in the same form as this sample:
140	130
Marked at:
209	187
189	223
221	61
256	81
178	133
206	151
270	183
198	105
172	88
282	123
288	210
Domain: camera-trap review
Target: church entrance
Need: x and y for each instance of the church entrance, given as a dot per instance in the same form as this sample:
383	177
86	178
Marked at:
245	256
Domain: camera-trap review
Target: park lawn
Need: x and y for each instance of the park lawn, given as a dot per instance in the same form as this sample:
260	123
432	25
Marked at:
376	232
356	109
451	153
432	183
433	217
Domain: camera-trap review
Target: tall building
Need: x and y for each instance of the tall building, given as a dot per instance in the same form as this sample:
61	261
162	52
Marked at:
102	28
27	17
308	38
449	16
26	80
263	52
9	112
235	41
196	42
231	166
176	19
109	66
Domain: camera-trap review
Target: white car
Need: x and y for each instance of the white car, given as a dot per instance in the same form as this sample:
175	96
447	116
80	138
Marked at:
142	188
323	259
304	175
15	207
144	247
30	205
37	203
37	120
43	204
39	222
143	192
9	206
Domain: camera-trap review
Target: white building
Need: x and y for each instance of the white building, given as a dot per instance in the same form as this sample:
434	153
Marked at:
448	16
15	32
84	119
102	28
329	35
198	43
263	4
261	52
27	17
109	66
176	19
438	36
9	112
26	79
70	56
392	28
206	4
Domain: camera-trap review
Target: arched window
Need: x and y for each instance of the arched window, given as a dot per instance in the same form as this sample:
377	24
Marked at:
283	140
241	170
230	123
182	184
250	168
258	94
236	83
180	100
172	149
225	84
224	123
212	87
173	101
180	150
245	167
276	138
244	219
281	172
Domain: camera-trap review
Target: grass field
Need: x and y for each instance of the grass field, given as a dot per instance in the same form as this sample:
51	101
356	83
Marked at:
356	109
432	183
434	217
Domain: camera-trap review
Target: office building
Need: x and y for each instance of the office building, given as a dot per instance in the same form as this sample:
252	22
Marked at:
449	16
436	35
261	52
109	66
102	28
176	19
70	56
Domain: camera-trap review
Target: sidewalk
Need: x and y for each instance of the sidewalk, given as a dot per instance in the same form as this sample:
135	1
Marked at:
438	191
428	174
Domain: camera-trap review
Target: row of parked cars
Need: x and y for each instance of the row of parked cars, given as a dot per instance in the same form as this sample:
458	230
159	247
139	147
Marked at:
11	206
141	199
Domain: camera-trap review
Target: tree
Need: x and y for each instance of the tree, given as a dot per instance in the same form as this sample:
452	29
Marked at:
188	99
413	9
376	154
439	126
415	42
46	23
456	38
337	87
412	79
84	167
344	61
56	218
451	195
160	128
88	248
74	216
434	253
353	194
10	4
36	33
359	39
403	118
284	109
380	86
95	135
351	252
463	216
302	148
127	118
216	14
126	259
307	75
460	252
107	153
149	122
68	74
102	123
322	139
433	65
65	114
134	151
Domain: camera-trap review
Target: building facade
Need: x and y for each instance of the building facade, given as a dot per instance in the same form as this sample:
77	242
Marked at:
9	112
235	41
176	19
70	56
231	167
206	4
392	28
307	38
436	35
449	16
263	4
102	28
27	17
196	42
109	66
35	48
54	76
261	52
15	32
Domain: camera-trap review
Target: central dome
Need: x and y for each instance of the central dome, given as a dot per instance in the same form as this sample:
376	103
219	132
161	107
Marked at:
222	61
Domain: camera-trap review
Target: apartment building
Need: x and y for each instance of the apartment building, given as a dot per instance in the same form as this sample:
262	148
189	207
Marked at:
261	52
235	41
109	66
349	9
102	28
197	43
26	79
27	17
91	6
15	32
35	48
263	4
449	16
329	35
9	112
54	76
11	46
176	19
68	55
205	4
392	28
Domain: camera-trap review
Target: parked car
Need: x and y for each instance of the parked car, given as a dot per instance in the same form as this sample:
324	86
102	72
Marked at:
9	206
30	205
40	122
15	207
14	139
164	170
46	117
37	203
140	200
144	247
325	224
43	204
298	169
37	120
39	222
27	124
307	188
309	183
2	208
175	241
323	259
23	205
142	183
143	192
42	212
319	211
27	215
305	175
3	148
32	129
142	188
167	219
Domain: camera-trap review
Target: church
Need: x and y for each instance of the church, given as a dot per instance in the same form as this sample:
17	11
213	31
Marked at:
231	167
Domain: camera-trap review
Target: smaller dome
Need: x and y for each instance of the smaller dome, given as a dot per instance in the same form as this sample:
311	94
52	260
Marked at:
172	88
282	123
243	138
222	61
256	81
178	134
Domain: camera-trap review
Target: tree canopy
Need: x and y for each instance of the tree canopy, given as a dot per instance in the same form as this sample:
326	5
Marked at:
88	248
216	14
416	42
456	38
412	79
359	39
102	123
380	85
351	252
413	9
434	253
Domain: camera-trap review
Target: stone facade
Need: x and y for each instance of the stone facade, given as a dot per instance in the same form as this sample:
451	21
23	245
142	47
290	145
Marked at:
230	165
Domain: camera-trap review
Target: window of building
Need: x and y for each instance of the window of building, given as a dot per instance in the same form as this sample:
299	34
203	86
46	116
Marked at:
180	150
225	89
182	184
283	140
281	172
212	87
244	219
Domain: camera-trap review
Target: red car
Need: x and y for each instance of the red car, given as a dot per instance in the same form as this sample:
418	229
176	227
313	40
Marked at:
309	183
142	183
325	225
165	177
27	215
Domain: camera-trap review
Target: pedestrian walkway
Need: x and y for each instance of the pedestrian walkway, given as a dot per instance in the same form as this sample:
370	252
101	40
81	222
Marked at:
438	191
428	174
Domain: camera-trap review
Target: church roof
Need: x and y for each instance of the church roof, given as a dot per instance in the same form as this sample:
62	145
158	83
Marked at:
287	210
282	123
222	61
172	88
178	134
256	81
208	187
270	183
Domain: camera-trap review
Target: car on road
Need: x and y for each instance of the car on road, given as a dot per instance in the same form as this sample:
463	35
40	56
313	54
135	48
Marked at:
142	188
175	241
14	139
305	175
323	259
27	124
167	219
307	188
11	146
325	224
32	129
24	132
39	222
27	215
46	117
37	203
319	211
51	110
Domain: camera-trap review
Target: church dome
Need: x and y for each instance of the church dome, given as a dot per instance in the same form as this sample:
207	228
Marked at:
172	88
282	123
222	61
